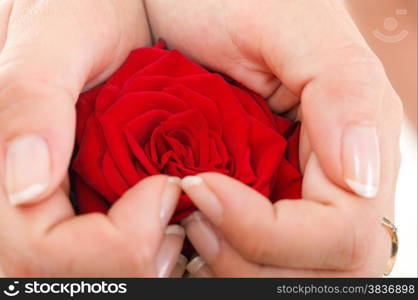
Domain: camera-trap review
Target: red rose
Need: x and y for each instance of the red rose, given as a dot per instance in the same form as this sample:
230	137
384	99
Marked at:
162	113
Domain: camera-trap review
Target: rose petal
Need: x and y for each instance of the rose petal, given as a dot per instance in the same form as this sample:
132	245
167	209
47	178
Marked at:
255	106
85	107
200	102
127	108
173	64
113	177
88	161
288	183
234	119
267	149
138	132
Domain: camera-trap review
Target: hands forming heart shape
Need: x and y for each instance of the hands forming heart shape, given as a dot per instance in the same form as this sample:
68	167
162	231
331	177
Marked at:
308	61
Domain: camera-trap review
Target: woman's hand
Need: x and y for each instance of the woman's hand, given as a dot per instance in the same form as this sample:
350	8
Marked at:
327	233
305	54
307	58
133	239
49	52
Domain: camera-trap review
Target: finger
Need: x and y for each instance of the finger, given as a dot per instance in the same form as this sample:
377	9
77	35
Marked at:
344	96
65	185
290	233
37	219
156	204
159	197
228	262
282	99
305	149
180	267
169	253
124	243
197	268
349	140
215	254
218	258
40	84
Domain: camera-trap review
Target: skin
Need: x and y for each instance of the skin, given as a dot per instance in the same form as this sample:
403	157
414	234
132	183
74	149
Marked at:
253	42
44	238
248	42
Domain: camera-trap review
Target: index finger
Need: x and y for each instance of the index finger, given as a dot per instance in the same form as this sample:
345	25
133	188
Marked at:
304	233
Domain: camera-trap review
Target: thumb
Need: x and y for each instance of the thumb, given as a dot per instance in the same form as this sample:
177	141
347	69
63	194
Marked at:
37	122
348	108
40	84
351	123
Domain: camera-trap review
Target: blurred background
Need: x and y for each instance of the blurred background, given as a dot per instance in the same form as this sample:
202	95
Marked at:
390	28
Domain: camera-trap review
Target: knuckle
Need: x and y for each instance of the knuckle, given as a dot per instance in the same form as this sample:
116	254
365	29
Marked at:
136	257
19	79
23	261
359	249
141	258
254	249
20	85
356	54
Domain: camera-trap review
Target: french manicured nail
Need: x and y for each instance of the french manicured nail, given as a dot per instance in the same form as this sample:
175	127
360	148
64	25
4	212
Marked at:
198	268
27	168
169	198
180	267
204	198
202	236
167	256
361	159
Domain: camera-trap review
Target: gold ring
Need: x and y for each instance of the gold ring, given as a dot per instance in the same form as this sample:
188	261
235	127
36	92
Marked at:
391	228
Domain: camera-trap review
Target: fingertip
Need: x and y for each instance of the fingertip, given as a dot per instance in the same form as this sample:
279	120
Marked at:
175	230
198	268
203	197
169	198
203	236
190	181
27	169
180	267
169	252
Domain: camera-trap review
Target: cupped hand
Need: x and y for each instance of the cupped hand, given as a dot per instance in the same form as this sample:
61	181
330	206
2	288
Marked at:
327	233
49	52
309	60
46	239
306	58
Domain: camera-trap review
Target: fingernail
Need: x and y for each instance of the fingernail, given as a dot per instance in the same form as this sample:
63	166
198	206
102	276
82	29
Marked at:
169	199
198	268
204	198
361	160
180	267
27	168
202	236
167	256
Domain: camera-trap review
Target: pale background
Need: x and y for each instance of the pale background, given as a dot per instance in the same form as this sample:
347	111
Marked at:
396	21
